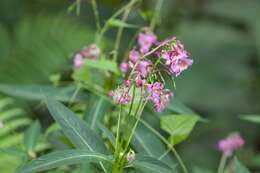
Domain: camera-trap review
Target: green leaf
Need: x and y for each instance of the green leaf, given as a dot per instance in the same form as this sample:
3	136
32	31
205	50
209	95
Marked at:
119	23
251	118
96	111
13	125
240	168
179	107
151	165
32	136
107	133
178	126
74	128
37	92
102	64
142	143
59	158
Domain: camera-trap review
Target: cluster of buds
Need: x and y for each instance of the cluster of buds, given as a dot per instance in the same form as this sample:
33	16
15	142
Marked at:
170	54
228	145
89	52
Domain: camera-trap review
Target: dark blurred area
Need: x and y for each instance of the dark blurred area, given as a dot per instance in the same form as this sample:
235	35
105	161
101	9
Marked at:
38	38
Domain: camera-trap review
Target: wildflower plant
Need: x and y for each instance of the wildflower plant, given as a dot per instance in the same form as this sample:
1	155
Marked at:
111	134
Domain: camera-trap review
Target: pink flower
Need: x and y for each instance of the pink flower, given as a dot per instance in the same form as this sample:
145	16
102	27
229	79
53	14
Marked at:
176	58
91	52
144	67
145	41
127	83
180	65
164	100
134	56
124	67
78	60
230	144
159	96
120	95
140	82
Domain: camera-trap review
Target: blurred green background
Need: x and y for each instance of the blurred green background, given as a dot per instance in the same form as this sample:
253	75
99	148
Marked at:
39	37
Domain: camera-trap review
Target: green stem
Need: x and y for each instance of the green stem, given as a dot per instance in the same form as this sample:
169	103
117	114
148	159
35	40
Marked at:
137	115
222	164
116	14
164	154
96	14
167	143
156	15
120	33
130	109
117	148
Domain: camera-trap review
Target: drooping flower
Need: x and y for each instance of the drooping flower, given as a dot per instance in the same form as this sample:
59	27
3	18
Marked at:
159	96
230	144
120	95
91	52
124	67
78	60
162	103
176	58
144	67
134	56
146	40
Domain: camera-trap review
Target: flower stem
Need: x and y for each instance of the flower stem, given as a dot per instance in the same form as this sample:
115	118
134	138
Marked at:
120	33
116	14
222	164
96	14
117	148
156	15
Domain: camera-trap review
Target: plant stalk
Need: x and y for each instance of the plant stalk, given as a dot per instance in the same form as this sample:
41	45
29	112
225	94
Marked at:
222	164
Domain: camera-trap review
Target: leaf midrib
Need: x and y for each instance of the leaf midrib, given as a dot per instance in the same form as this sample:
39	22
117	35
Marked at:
63	159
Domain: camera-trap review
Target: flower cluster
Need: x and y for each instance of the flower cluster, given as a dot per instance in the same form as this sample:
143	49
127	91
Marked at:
89	52
230	144
176	57
170	55
159	96
120	95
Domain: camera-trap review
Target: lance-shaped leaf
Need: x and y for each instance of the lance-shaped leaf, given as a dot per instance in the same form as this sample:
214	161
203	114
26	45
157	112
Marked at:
38	92
151	165
32	136
178	126
108	134
74	128
252	118
148	143
95	111
64	157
